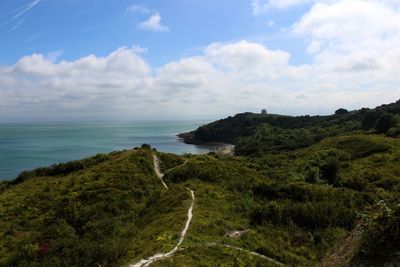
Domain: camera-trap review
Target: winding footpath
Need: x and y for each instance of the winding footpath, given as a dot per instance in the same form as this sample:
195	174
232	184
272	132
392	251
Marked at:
246	251
161	256
160	175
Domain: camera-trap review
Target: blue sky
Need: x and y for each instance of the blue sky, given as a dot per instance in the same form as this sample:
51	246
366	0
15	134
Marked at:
91	60
79	28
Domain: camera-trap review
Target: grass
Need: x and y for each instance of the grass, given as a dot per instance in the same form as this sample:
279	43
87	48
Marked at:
113	212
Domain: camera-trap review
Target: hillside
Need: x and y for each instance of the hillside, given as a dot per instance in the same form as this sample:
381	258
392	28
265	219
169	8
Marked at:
326	202
259	133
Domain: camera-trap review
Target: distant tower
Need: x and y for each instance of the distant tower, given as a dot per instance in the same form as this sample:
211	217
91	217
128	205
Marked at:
264	112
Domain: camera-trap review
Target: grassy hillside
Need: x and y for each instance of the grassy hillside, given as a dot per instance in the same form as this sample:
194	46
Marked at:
104	214
331	201
254	134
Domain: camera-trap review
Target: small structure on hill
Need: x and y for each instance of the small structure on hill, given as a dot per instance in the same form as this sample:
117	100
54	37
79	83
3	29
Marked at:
264	112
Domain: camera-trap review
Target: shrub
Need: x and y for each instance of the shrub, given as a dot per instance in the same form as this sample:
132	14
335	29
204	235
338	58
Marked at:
329	171
360	147
384	123
146	146
341	111
368	120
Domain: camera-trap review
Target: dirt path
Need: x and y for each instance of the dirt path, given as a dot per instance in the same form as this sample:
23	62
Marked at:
160	175
246	251
346	249
161	256
344	252
183	164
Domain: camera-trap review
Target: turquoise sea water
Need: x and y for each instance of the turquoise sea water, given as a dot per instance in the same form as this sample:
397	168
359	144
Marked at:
28	146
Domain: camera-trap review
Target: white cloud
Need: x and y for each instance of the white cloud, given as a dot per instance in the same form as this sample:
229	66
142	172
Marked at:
223	79
138	8
153	24
248	60
355	59
353	35
261	6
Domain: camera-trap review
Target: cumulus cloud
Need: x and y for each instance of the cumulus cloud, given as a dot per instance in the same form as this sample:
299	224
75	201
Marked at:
138	8
153	24
353	46
248	60
224	79
353	35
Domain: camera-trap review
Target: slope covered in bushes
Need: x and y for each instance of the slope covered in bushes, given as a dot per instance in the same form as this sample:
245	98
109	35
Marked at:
299	188
259	133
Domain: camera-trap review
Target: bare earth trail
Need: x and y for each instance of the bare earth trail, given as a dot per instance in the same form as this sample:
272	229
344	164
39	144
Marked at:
246	251
162	256
346	249
160	175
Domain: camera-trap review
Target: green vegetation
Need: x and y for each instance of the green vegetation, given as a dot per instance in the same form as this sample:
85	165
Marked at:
297	188
256	134
100	215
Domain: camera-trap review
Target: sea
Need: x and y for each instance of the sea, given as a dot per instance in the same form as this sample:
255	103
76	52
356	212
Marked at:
29	146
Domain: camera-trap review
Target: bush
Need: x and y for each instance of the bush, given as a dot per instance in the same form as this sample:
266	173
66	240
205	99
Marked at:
62	168
329	171
384	123
146	146
308	215
341	111
382	238
360	147
368	120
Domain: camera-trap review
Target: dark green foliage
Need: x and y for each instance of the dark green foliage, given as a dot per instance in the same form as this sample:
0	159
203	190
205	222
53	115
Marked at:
384	123
232	129
297	193
329	170
341	111
312	173
254	134
369	120
88	218
146	146
360	147
169	161
62	168
4	185
393	132
307	206
382	238
308	215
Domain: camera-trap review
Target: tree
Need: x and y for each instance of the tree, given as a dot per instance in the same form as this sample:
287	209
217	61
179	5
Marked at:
341	111
329	171
385	122
369	120
146	146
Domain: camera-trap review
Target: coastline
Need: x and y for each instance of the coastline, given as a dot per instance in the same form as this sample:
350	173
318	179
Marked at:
30	146
216	147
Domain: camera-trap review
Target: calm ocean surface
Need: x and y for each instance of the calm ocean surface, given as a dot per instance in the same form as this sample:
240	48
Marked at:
28	146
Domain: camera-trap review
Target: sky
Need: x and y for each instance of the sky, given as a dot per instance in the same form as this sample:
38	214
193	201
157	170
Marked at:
75	60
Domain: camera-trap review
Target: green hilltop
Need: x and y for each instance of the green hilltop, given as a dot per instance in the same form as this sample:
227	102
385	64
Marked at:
300	191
